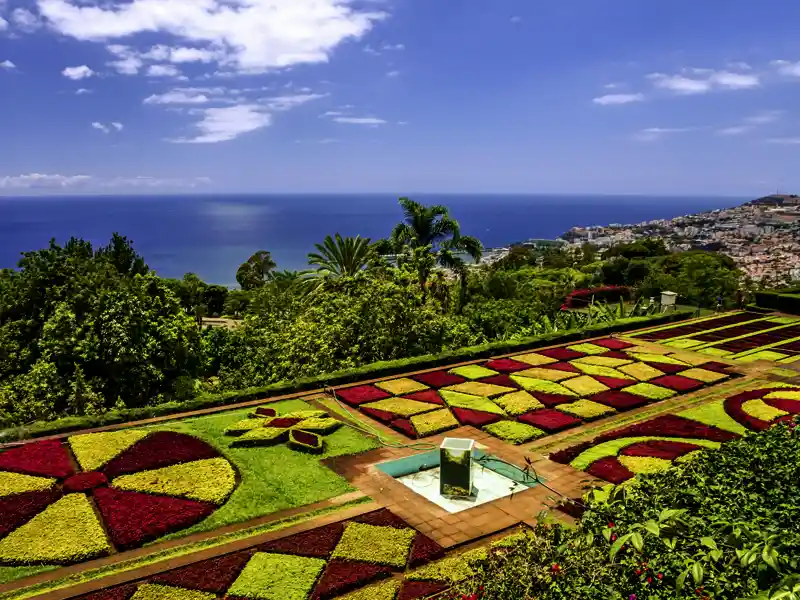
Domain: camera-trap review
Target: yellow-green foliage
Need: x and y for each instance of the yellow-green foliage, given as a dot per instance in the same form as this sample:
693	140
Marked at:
477	388
510	541
684	343
586	409
433	422
401	406
641	371
93	450
377	545
383	591
545	373
601	361
601	370
404	385
714	414
588	348
304	414
650	391
518	403
585	386
761	410
277	577
652	357
473	372
703	375
763	355
65	532
149	591
785	394
209	480
542	385
535	359
692	359
264	436
471	402
319	424
448	570
246	425
645	464
15	483
514	432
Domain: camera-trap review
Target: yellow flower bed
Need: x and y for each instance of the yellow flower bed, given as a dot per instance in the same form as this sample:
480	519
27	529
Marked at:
93	450
703	375
601	371
601	361
662	358
535	360
650	391
761	410
319	424
546	374
477	388
402	407
433	422
641	371
785	394
588	348
645	464
518	403
404	385
585	386
209	480
15	483
150	591
376	545
514	432
586	409
542	385
383	591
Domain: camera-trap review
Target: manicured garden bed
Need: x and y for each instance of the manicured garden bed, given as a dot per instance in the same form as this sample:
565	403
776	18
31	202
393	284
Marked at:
548	390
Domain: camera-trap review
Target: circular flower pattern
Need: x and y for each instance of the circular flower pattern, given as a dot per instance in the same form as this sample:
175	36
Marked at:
63	502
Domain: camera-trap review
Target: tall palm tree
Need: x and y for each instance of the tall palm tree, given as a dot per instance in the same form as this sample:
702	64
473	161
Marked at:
340	257
450	257
424	225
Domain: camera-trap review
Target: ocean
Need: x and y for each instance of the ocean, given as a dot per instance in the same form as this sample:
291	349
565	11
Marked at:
211	235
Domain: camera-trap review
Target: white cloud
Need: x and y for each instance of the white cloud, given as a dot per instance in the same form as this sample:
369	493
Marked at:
652	134
703	81
163	71
735	130
25	20
371	121
612	86
8	65
127	60
118	126
787	68
788	141
516	19
740	66
280	103
100	127
77	73
3	24
612	99
384	48
393	73
224	124
45	181
765	117
82	91
178	96
257	35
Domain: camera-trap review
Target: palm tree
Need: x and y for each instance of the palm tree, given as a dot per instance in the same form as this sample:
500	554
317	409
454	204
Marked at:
256	271
450	258
340	257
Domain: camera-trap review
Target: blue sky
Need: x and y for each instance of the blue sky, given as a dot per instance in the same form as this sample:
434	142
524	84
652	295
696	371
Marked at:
399	96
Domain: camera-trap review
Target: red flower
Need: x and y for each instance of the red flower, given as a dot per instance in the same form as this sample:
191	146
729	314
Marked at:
649	580
611	525
613	537
660	576
555	568
469	597
638	571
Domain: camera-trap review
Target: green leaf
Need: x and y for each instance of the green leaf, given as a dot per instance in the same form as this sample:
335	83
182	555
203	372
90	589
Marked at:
697	573
637	541
770	556
652	527
681	580
708	543
617	546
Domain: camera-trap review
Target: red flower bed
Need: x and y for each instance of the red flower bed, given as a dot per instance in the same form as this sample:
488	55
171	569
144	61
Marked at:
660	449
619	400
316	543
613	344
733	406
550	400
691	328
342	576
549	420
405	427
424	551
715	366
677	383
615	354
439	379
122	592
615	383
475	418
563	366
412	590
18	509
610	469
503	379
283	423
608	293
560	353
667	368
669	426
266	412
378	414
361	394
382	518
159	449
430	396
790	406
506	365
83	482
133	518
215	575
567	455
48	459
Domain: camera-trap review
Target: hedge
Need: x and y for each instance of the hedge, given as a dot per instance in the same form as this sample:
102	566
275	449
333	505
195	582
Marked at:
343	377
783	302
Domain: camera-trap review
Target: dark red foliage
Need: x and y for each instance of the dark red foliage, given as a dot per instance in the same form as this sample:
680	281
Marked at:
381	415
551	400
790	406
159	449
549	420
665	449
48	458
424	551
303	437
615	383
316	543
133	518
412	590
717	367
677	383
506	365
266	412
567	455
342	576
612	344
18	509
361	394
475	418
382	518
619	400
573	507
733	406
502	379
122	592
608	293
405	427
670	426
560	353
667	368
563	366
439	379
616	354
283	422
430	396
610	469
214	575
83	482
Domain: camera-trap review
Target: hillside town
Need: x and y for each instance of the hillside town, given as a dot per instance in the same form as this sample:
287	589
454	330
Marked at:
762	236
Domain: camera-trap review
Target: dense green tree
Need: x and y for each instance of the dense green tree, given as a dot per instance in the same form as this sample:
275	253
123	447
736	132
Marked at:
642	248
340	257
256	271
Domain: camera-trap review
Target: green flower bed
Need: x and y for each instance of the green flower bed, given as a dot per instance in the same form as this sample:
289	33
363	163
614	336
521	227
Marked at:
383	591
245	425
377	545
319	424
518	403
588	348
514	432
602	371
650	391
460	400
585	386
150	591
703	375
265	436
542	385
473	372
546	374
640	465
399	387
401	406
586	409
477	388
641	371
433	422
277	577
